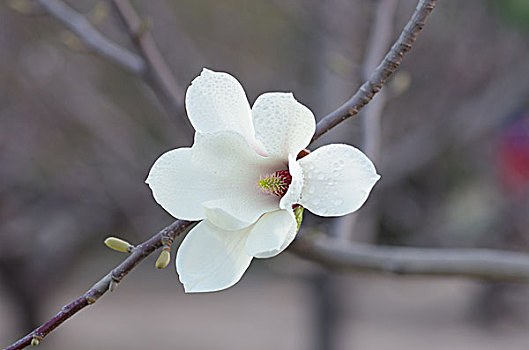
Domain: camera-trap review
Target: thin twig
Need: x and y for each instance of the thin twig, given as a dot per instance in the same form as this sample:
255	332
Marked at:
158	70
93	39
102	286
377	79
485	264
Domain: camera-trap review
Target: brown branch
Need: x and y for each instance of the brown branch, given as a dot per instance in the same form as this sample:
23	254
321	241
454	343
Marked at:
158	72
93	39
377	79
474	263
102	286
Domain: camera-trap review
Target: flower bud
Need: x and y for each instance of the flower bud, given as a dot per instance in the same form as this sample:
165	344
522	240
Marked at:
35	340
298	213
118	245
164	259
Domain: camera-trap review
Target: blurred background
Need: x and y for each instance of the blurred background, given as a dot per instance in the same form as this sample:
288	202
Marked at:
78	135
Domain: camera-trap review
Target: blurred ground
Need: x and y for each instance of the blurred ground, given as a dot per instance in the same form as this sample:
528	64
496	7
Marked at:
269	311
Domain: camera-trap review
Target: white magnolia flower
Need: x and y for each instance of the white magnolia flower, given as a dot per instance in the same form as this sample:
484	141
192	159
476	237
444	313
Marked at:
242	179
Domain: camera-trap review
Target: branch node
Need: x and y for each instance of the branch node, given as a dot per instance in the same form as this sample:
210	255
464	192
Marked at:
167	241
114	278
112	285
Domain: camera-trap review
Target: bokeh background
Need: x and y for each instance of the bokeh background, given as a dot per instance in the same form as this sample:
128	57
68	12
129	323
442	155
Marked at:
78	136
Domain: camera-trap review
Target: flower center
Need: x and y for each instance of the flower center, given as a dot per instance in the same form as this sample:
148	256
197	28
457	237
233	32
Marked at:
276	183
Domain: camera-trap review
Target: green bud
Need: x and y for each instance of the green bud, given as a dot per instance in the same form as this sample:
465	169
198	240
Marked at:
36	340
298	213
118	245
164	259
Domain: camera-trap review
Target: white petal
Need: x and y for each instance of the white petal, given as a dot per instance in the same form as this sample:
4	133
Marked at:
271	234
216	101
179	185
282	124
293	194
237	169
338	179
219	167
211	259
221	218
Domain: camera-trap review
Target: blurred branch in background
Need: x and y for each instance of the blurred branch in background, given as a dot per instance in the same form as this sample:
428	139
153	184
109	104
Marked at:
486	264
95	41
159	73
327	285
379	40
384	70
150	66
471	120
